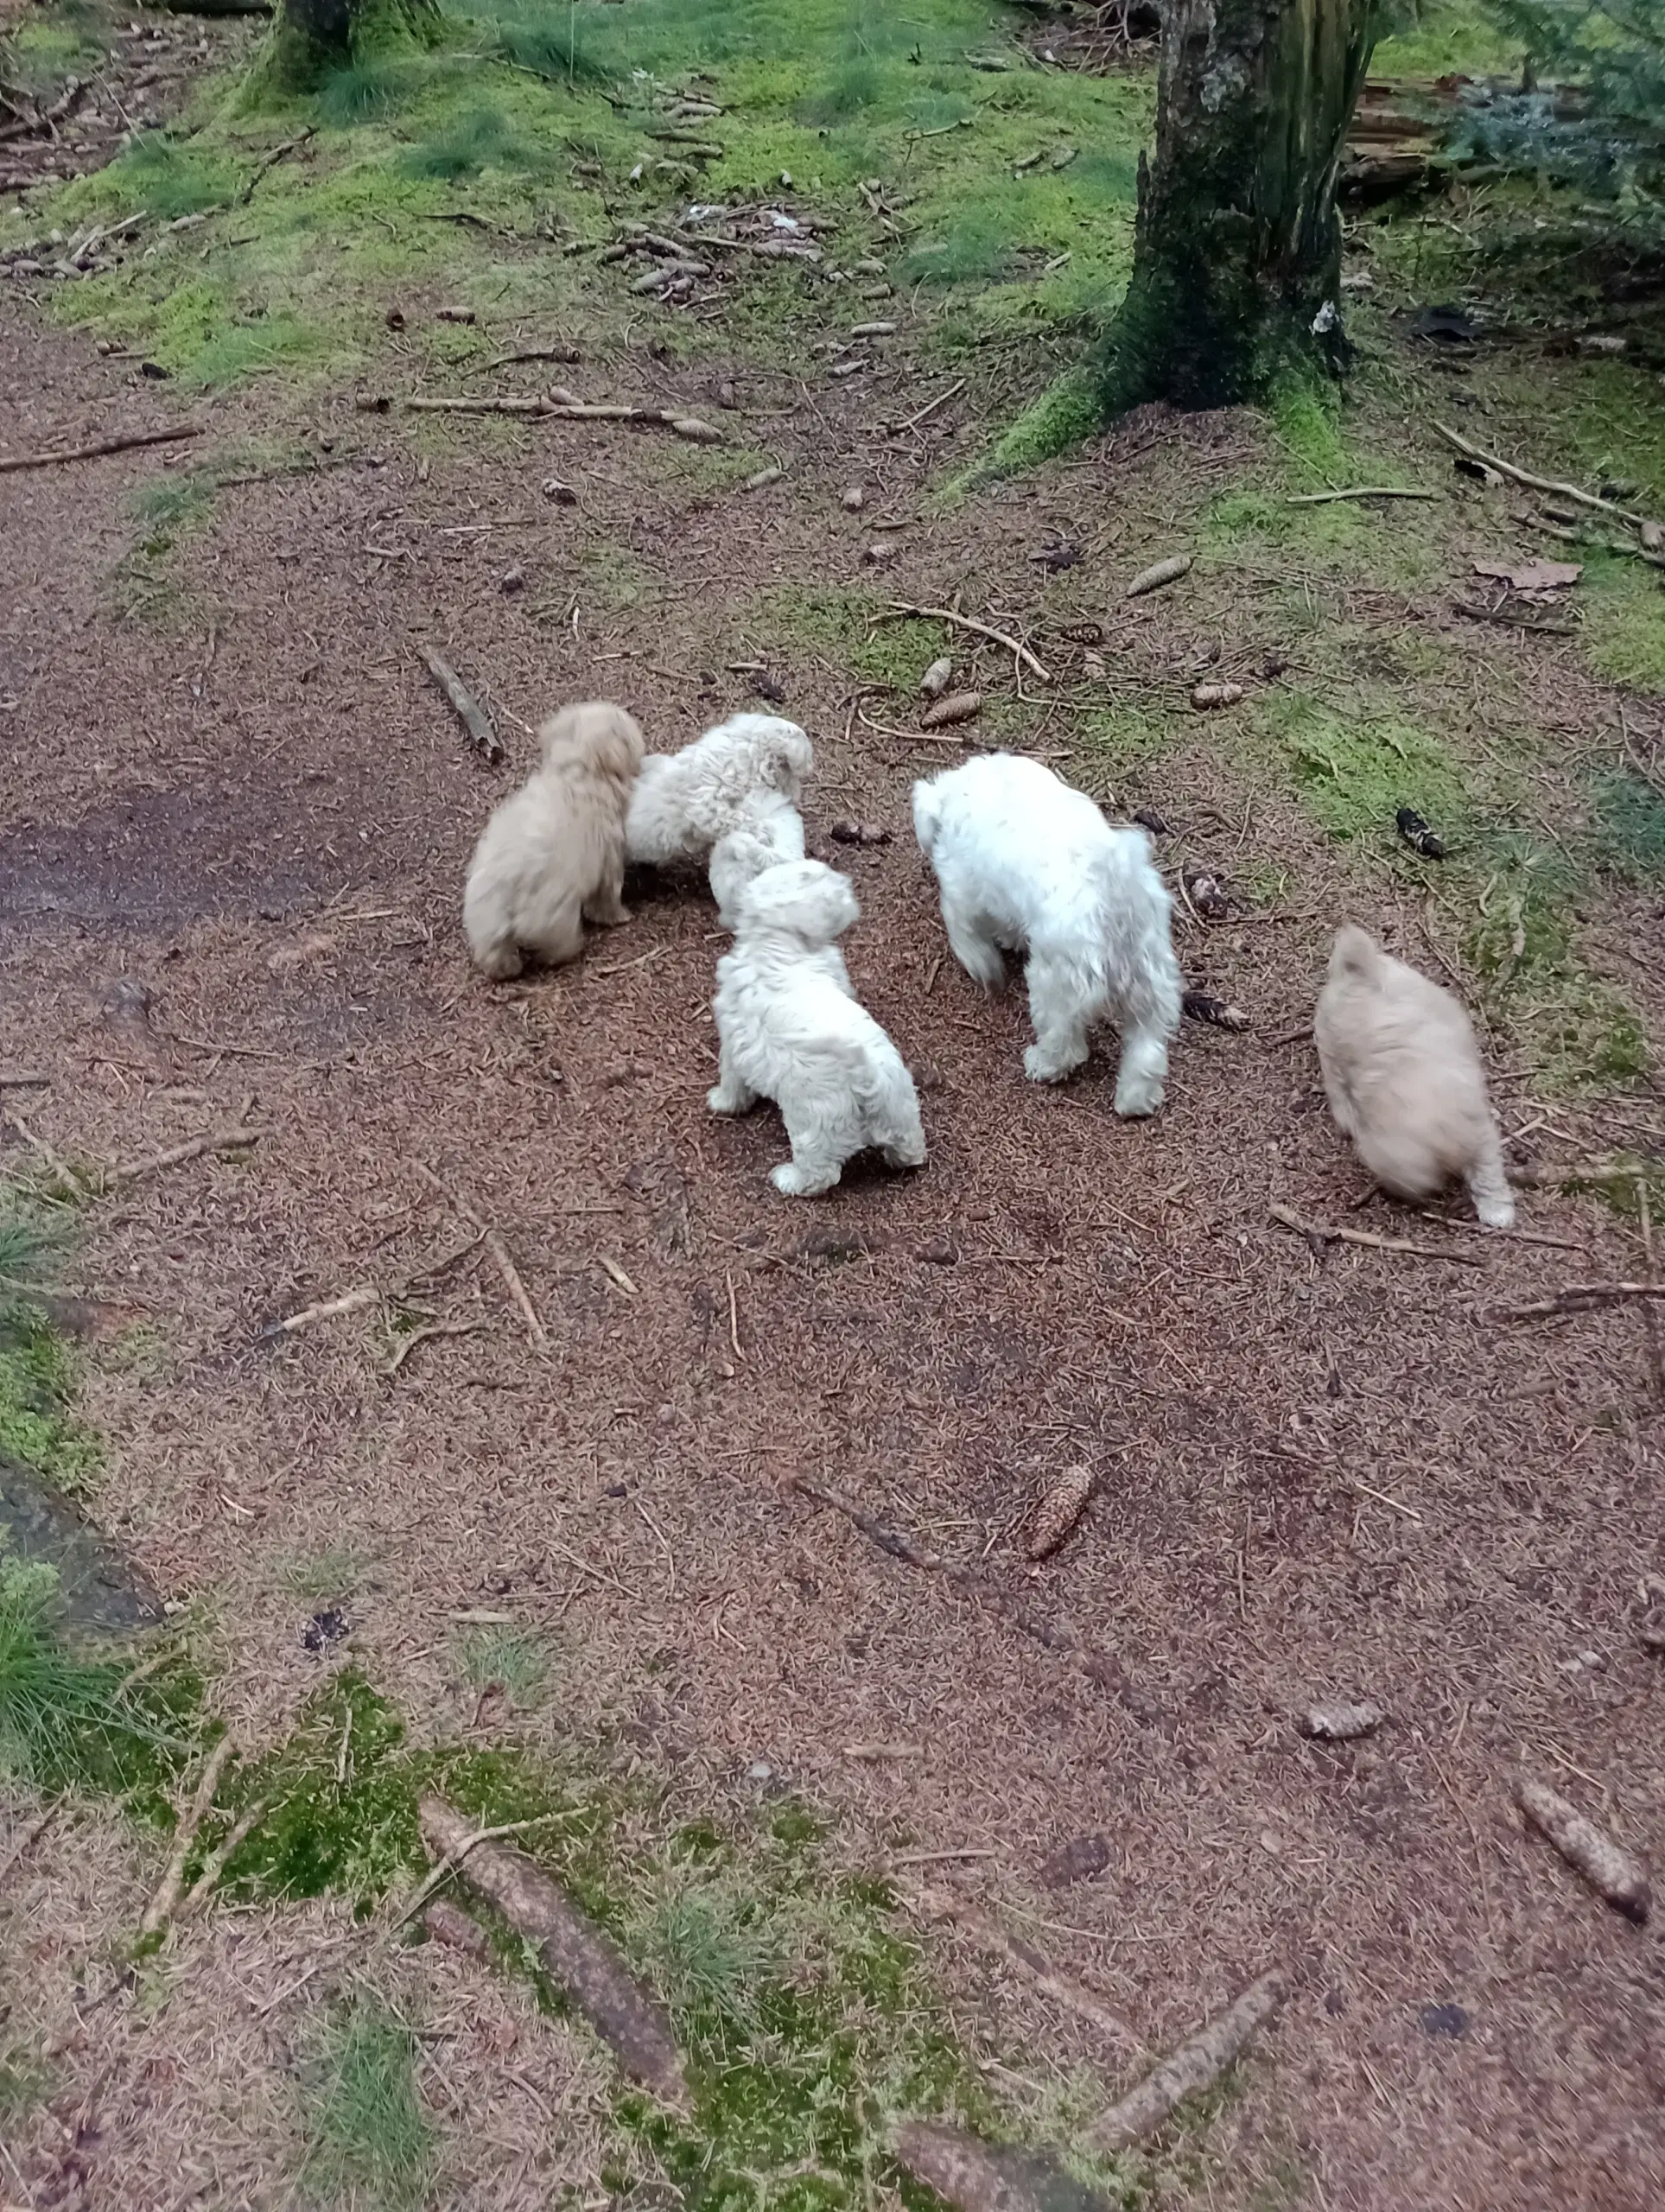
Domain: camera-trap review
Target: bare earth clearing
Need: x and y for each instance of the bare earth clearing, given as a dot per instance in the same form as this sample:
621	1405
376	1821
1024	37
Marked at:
1318	1474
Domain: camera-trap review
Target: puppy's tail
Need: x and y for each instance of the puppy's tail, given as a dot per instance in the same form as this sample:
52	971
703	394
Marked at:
1355	953
927	815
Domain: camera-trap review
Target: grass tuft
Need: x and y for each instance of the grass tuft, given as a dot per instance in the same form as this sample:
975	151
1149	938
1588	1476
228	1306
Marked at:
370	2142
68	1723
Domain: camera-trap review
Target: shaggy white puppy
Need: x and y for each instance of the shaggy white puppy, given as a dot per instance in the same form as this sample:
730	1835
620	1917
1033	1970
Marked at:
683	802
1402	1074
552	856
790	1029
1028	865
769	829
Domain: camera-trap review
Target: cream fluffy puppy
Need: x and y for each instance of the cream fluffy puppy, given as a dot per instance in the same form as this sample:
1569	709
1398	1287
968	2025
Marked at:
1027	865
790	1028
683	802
770	830
552	856
1402	1074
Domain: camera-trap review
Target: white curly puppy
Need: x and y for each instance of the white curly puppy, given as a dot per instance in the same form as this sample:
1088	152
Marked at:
552	856
1028	865
1402	1074
790	1028
769	829
683	802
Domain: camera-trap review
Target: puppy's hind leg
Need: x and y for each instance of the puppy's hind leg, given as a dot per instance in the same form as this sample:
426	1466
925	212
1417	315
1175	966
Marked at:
902	1140
606	906
976	952
1060	1021
731	1093
820	1146
1494	1201
1142	1076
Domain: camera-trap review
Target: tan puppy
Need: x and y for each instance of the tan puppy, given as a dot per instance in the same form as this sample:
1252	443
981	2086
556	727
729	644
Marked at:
1402	1074
552	856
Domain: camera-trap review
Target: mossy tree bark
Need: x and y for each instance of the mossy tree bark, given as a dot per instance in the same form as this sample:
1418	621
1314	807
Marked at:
329	33
1237	250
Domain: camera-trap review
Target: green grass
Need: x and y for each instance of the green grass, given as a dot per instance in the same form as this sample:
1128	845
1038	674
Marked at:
322	1578
513	1659
1629	835
369	2143
38	1426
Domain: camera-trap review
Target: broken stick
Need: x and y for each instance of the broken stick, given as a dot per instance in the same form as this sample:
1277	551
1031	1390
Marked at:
123	444
900	611
1290	1219
1537	483
1194	2066
214	1865
161	1907
1581	1297
990	1935
574	1952
499	1252
466	708
177	1155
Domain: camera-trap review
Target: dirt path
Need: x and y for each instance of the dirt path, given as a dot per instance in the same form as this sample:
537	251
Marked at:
1335	1474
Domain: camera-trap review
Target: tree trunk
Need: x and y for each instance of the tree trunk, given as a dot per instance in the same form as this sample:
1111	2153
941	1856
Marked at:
1237	249
323	29
316	36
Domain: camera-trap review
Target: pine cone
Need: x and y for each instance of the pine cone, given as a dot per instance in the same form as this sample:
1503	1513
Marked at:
1058	1511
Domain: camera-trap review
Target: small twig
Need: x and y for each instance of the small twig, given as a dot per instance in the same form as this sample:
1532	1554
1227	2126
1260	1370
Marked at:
1581	1297
932	1858
1359	492
499	1252
466	708
1536	483
1290	1219
123	444
176	1155
74	1184
162	1906
276	154
565	353
408	1345
899	609
1511	618
733	1320
214	1865
940	1904
28	1840
453	1859
1650	1320
924	413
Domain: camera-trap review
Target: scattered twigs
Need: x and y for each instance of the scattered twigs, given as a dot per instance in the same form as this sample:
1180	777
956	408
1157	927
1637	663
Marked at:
177	1155
1514	618
408	1345
499	1252
692	427
466	708
1579	1297
1358	492
350	1302
900	611
1313	1229
896	1541
162	1906
1194	2066
278	153
124	443
1537	483
572	1951
566	354
990	1935
27	1841
1608	1870
930	409
214	1865
68	1180
972	2176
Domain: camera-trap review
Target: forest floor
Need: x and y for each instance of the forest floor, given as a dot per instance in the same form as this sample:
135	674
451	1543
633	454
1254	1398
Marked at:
234	817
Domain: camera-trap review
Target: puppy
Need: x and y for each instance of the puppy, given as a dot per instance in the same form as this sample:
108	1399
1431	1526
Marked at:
552	856
685	801
1402	1075
790	1029
1028	864
769	829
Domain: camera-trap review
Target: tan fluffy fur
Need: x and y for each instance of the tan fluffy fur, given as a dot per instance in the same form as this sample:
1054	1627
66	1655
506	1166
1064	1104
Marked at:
1402	1074
552	856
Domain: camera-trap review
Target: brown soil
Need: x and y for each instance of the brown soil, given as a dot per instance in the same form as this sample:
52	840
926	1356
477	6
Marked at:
1318	1476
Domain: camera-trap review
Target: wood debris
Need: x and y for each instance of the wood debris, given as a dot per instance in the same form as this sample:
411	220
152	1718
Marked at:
899	610
123	443
160	1910
973	2176
1201	1006
1196	2065
990	1935
1207	697
1058	1511
1337	1720
1609	1870
176	1156
578	1957
1318	1235
1581	1297
466	708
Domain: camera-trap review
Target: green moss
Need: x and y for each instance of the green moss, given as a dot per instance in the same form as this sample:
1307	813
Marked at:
1624	626
1454	37
38	1426
1354	773
1307	420
1065	414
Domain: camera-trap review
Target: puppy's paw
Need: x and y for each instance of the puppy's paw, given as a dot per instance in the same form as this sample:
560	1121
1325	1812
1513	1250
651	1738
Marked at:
1496	1213
1041	1067
1135	1101
725	1101
795	1182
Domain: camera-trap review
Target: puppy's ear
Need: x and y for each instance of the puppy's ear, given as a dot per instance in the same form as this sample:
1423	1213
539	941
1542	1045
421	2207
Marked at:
1355	953
806	896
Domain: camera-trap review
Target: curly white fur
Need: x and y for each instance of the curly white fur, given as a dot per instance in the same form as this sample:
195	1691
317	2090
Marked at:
790	1029
1027	865
1402	1074
552	856
683	802
769	829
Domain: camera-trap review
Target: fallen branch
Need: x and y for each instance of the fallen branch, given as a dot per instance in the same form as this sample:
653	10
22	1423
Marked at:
1290	1219
1537	483
973	2176
161	1907
177	1155
928	410
1581	1297
408	1345
565	354
899	611
499	1252
498	406
575	1952
940	1904
276	154
366	1294
123	444
214	1865
1514	618
576	410
466	708
1195	2066
1359	492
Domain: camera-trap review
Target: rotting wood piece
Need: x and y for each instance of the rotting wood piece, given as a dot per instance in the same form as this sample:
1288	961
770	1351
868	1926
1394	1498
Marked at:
1607	1868
977	2177
1196	2065
125	443
572	1951
466	708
